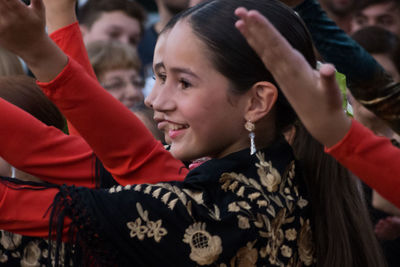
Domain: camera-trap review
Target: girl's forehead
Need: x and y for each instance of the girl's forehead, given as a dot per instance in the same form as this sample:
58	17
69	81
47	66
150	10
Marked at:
181	45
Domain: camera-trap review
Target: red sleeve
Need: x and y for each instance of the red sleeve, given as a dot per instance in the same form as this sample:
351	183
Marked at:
45	152
373	159
69	39
123	144
33	220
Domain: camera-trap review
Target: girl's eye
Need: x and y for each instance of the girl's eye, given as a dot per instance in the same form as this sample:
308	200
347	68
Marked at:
185	84
160	76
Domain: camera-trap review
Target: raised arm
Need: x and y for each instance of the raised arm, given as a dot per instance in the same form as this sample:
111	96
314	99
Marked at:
43	151
122	143
64	30
316	99
367	80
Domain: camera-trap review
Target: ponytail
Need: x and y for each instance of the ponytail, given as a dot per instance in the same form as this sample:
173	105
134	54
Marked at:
342	227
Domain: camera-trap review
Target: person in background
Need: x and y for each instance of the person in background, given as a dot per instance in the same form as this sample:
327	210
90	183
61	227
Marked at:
341	11
384	46
117	68
382	13
118	20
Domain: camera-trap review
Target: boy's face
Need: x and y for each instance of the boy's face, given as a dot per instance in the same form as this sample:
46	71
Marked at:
114	25
340	7
385	15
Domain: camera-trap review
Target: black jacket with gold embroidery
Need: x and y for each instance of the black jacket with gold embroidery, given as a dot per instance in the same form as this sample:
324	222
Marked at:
240	210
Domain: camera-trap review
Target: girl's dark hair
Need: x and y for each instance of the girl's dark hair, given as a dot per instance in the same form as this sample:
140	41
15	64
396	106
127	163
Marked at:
377	40
23	92
342	233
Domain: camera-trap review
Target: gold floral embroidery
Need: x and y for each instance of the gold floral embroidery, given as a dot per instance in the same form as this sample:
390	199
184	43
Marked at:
291	234
3	257
305	243
302	202
279	198
151	229
31	255
243	222
286	251
269	176
205	249
196	195
10	241
233	207
246	256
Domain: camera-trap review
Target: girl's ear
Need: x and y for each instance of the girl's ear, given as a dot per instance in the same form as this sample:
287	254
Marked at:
263	96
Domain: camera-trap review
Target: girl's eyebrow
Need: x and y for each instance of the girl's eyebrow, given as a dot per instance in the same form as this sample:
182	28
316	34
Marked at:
184	70
158	66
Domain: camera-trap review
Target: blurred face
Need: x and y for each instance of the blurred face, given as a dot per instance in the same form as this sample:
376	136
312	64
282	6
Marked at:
386	15
365	116
340	7
175	6
191	100
388	65
124	85
113	26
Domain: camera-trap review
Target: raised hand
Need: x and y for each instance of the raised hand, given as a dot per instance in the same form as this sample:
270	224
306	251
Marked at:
314	95
59	13
21	26
22	31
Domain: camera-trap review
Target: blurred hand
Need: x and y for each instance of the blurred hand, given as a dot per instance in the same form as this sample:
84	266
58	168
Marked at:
22	27
315	96
22	31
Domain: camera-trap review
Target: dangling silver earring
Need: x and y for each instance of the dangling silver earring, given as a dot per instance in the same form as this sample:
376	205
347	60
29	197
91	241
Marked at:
249	126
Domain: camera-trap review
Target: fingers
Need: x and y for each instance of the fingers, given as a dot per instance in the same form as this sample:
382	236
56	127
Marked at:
37	5
15	5
330	86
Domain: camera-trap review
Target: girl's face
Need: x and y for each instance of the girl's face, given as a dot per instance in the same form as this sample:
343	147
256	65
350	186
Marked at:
192	102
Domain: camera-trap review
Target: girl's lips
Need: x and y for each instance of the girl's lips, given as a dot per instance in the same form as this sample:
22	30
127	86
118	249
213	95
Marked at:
175	133
161	125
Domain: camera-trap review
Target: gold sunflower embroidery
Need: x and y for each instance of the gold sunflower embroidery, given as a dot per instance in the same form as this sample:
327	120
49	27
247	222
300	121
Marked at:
205	249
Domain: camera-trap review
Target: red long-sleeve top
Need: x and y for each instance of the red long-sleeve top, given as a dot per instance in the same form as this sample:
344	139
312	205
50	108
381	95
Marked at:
371	158
47	153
